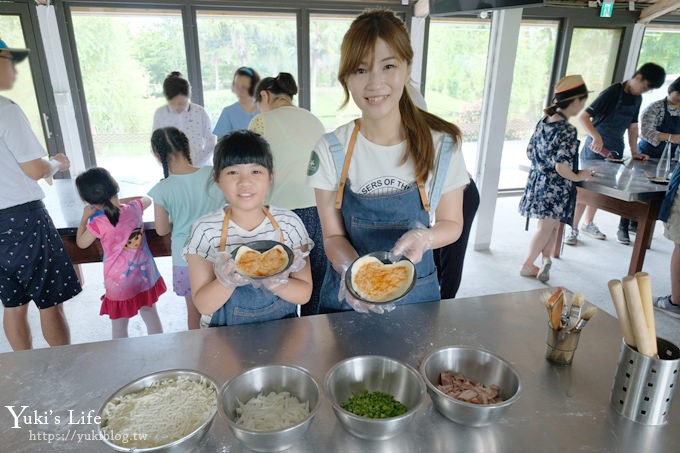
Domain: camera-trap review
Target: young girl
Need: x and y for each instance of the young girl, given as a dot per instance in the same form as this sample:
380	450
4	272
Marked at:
550	194
239	114
377	174
243	170
131	278
181	198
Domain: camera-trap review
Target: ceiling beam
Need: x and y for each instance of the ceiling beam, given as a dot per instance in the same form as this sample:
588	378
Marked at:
658	9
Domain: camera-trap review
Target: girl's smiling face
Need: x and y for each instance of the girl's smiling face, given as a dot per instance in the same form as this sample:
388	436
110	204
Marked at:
378	83
245	186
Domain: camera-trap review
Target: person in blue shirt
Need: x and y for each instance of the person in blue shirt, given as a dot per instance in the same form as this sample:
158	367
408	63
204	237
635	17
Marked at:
239	114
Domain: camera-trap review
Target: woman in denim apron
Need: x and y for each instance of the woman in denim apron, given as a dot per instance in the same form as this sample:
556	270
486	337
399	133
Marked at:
397	220
243	171
666	130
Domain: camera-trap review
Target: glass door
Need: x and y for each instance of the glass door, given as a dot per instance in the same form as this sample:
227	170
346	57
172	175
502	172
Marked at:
123	56
530	88
456	68
596	63
19	29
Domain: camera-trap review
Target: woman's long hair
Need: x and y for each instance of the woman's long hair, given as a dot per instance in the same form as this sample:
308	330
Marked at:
357	45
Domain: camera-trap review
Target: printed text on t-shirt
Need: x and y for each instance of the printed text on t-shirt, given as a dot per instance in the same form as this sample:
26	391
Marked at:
384	186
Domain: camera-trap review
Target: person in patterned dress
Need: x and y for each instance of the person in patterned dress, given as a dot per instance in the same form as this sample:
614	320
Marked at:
550	194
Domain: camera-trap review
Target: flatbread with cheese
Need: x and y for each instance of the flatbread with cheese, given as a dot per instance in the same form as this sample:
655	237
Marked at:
254	264
375	281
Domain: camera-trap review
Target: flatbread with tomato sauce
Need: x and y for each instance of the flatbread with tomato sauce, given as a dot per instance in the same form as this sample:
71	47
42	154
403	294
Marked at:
254	264
375	281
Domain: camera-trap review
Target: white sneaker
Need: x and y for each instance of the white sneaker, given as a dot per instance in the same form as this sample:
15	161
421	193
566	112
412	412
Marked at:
593	231
571	237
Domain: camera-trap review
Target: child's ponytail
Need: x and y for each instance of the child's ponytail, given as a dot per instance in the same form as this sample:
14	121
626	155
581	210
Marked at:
169	140
112	212
97	186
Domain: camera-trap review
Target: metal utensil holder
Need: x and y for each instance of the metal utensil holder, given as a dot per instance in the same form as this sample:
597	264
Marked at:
644	386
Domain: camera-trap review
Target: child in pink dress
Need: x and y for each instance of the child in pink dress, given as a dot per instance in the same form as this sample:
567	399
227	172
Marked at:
133	283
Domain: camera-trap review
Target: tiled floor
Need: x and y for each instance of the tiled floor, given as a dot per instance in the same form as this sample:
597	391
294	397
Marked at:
586	267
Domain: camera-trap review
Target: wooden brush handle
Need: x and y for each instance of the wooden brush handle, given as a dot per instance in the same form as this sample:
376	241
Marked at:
616	291
644	282
638	321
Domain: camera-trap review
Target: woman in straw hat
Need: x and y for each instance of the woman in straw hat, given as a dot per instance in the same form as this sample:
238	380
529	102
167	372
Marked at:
550	194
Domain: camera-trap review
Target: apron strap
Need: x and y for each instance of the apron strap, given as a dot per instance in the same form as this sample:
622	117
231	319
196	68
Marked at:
225	227
336	149
345	166
441	168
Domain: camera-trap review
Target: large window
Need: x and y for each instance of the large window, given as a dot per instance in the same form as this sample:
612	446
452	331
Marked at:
456	68
124	56
23	92
595	63
535	50
660	45
227	40
325	36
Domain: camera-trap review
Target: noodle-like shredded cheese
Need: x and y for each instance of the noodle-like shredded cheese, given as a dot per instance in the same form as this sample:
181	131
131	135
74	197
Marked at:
165	411
272	412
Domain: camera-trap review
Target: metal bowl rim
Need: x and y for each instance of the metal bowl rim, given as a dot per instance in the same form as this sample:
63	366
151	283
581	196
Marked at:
176	372
378	254
405	415
312	411
259	246
433	388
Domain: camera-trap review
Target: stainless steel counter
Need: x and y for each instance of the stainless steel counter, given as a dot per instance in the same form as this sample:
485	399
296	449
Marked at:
627	182
560	409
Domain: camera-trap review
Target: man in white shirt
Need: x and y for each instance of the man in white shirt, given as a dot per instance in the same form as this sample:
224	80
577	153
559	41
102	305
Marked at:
33	262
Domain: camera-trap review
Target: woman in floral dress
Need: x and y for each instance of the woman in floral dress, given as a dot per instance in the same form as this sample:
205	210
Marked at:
550	194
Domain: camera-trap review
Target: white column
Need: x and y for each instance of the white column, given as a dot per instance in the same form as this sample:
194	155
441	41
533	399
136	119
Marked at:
634	52
498	84
418	45
62	92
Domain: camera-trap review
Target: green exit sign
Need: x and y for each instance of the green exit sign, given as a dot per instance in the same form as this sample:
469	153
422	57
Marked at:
607	9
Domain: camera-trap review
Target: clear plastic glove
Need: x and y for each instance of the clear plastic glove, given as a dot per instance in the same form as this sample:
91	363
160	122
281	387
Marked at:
358	305
225	272
413	244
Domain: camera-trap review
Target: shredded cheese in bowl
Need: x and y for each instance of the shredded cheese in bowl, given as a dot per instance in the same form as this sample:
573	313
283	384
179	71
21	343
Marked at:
272	412
159	414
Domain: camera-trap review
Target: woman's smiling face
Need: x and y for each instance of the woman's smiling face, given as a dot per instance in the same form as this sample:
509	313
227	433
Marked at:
378	83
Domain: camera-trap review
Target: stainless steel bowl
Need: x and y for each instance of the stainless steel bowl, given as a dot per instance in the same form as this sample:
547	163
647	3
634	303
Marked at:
375	374
186	443
479	365
386	258
263	246
265	379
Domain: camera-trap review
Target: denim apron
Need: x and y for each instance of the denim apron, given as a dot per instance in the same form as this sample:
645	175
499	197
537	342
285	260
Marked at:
248	304
374	223
611	129
669	125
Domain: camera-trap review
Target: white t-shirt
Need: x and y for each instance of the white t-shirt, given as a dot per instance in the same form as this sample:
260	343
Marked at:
206	233
18	144
292	133
195	123
376	169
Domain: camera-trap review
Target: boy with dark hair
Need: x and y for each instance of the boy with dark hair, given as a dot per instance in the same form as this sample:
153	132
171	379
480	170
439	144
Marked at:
33	262
612	113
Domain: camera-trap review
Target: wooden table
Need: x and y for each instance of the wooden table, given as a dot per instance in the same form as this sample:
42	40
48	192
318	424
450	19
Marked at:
66	209
623	189
559	409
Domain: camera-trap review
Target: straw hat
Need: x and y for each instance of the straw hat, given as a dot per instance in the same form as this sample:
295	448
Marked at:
570	87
